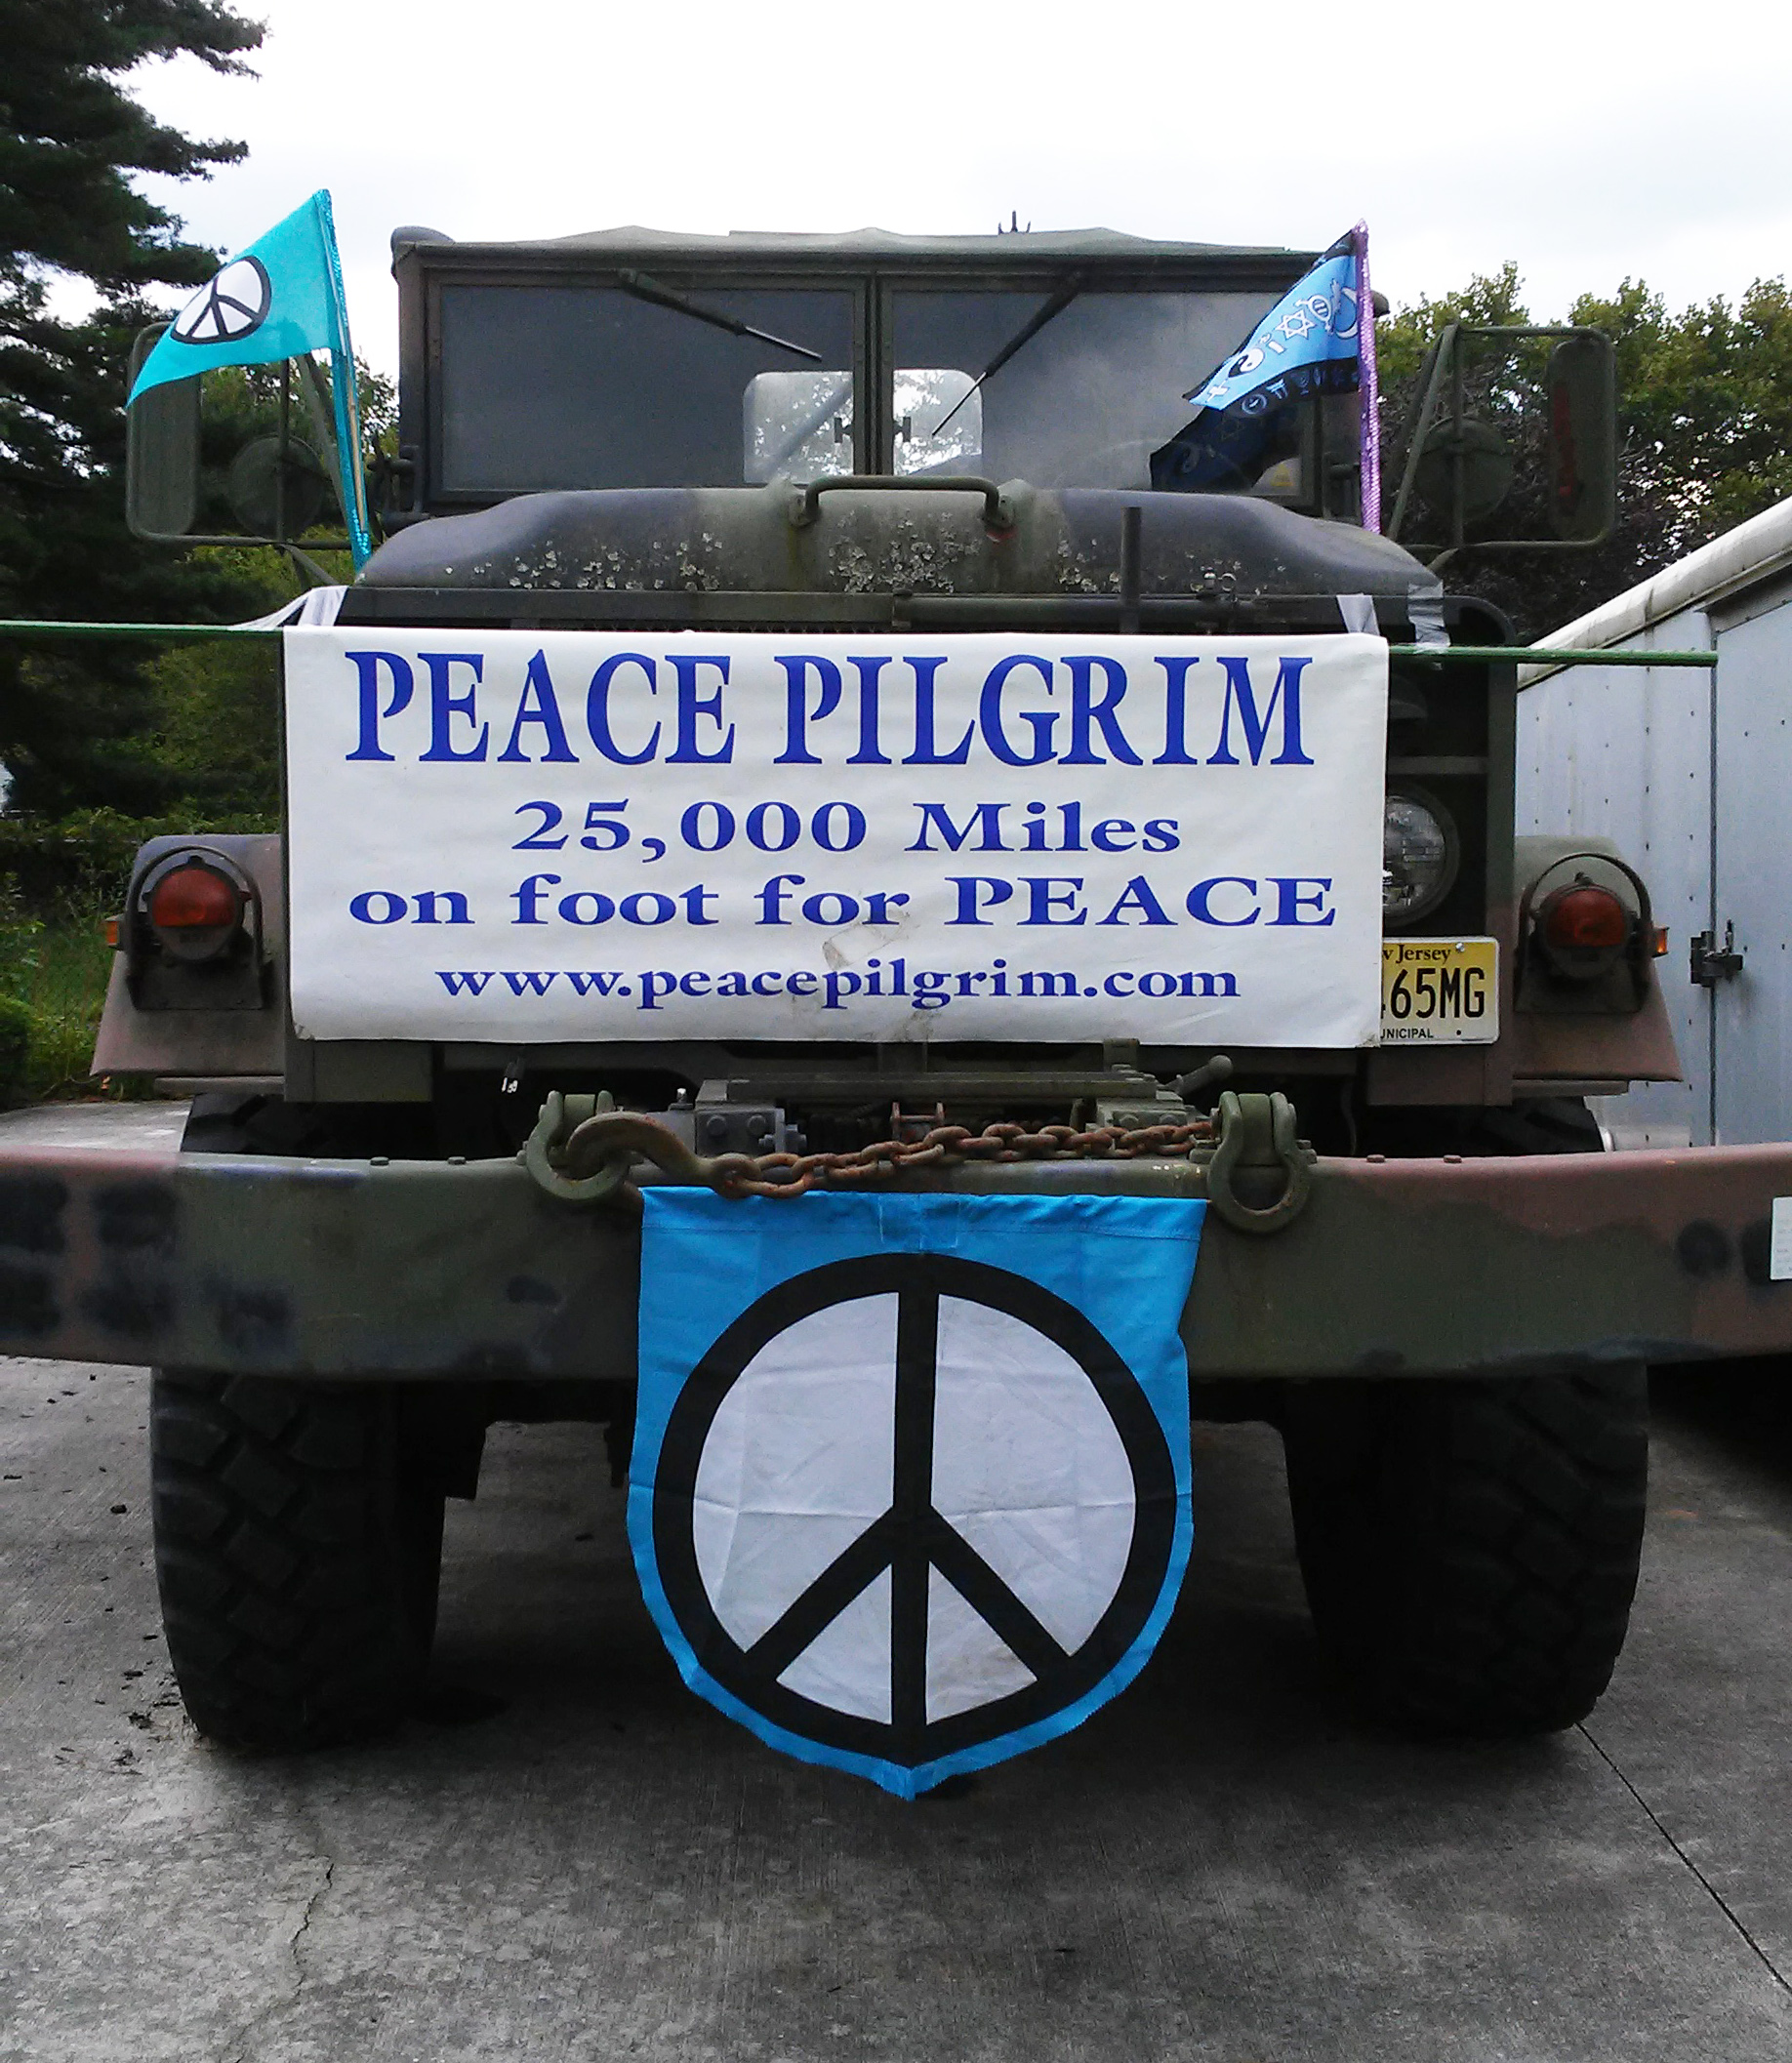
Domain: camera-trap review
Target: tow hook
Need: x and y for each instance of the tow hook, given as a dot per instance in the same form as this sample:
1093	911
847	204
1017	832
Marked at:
1260	1175
583	1149
544	1153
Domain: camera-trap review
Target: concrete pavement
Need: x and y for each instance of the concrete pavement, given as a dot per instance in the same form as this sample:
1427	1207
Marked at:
570	1857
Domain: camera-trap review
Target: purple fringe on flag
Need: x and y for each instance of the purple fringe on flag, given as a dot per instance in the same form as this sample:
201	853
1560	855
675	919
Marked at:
1369	432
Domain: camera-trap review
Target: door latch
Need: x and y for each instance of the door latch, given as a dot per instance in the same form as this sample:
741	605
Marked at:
1709	965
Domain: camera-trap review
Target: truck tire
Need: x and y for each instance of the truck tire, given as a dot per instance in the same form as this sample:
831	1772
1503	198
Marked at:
1470	1548
298	1551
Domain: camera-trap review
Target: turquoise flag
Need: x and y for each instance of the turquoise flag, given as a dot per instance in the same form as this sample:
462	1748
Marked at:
277	299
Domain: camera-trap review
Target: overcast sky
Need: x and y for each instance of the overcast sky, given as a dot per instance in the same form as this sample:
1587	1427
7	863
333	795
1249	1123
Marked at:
1587	142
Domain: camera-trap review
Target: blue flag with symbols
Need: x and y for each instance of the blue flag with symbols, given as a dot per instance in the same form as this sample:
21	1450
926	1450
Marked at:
1308	342
1320	337
910	1485
279	298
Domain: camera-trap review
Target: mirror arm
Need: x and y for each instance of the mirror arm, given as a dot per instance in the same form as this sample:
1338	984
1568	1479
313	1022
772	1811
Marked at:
318	574
1442	351
283	456
1509	544
323	426
1458	498
308	565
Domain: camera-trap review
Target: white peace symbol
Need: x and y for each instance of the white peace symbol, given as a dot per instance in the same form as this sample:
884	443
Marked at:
231	303
1028	1470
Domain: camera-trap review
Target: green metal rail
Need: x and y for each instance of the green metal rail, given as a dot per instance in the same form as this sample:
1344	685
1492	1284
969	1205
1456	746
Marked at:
1461	655
169	634
1552	656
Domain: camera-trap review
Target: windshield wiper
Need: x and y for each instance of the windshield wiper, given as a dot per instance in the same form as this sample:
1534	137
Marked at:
646	289
1048	312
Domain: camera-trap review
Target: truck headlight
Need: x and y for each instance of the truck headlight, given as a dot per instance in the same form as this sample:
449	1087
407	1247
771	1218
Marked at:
1420	855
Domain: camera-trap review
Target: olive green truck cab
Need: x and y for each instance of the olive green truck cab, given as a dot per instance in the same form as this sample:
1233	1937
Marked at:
851	467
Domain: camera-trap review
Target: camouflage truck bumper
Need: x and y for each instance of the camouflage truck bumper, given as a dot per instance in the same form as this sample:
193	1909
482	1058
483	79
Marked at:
339	1268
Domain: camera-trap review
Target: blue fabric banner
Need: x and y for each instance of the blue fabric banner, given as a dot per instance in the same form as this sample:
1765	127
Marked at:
909	1488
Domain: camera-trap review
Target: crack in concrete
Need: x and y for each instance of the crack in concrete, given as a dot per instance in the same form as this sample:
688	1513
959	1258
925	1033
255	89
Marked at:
305	1928
1710	1889
249	2037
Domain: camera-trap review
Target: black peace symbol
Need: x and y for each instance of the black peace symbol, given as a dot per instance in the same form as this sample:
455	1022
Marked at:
234	302
911	1538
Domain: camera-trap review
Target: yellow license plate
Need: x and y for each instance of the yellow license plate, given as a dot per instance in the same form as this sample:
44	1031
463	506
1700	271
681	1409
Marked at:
1440	991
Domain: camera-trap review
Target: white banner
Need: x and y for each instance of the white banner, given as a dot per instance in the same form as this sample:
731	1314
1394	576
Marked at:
579	835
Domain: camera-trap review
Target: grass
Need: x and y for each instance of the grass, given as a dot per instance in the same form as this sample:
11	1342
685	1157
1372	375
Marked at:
58	969
64	992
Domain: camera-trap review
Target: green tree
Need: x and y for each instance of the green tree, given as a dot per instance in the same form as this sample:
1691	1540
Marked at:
1402	339
72	721
1704	432
1705	402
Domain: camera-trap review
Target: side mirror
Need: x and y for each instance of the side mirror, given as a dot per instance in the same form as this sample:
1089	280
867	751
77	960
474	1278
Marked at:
276	486
1582	385
162	453
1494	423
1465	458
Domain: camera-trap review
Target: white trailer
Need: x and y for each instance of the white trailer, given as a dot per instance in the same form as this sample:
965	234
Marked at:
1689	770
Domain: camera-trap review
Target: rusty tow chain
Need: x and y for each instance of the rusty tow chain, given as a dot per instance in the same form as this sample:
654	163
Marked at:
599	1147
578	1157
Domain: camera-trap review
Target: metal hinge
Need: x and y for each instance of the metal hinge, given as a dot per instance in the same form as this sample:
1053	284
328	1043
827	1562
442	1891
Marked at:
1710	966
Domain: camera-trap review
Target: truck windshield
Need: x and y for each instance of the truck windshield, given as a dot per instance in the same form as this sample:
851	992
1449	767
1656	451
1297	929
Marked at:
544	387
675	380
1083	402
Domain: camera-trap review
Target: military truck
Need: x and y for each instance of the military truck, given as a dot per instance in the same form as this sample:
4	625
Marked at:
386	1230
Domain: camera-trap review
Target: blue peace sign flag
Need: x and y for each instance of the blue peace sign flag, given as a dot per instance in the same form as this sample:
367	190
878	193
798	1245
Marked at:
910	1485
280	296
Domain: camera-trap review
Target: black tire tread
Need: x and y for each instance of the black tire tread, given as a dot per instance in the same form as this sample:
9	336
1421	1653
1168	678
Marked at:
1471	1549
297	1557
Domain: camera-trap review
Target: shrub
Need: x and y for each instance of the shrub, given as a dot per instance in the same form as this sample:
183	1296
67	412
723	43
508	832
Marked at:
18	958
15	1050
52	975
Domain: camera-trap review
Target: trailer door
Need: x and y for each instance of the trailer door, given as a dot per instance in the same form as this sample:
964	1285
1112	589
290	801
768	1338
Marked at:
1751	1011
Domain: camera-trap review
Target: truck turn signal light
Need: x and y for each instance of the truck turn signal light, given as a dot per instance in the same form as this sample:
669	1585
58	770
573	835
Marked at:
195	912
195	898
1586	916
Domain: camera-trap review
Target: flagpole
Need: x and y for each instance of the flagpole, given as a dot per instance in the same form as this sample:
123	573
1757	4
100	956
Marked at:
349	457
343	383
1369	438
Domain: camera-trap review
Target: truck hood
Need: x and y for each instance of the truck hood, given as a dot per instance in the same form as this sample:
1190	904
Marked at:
744	540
